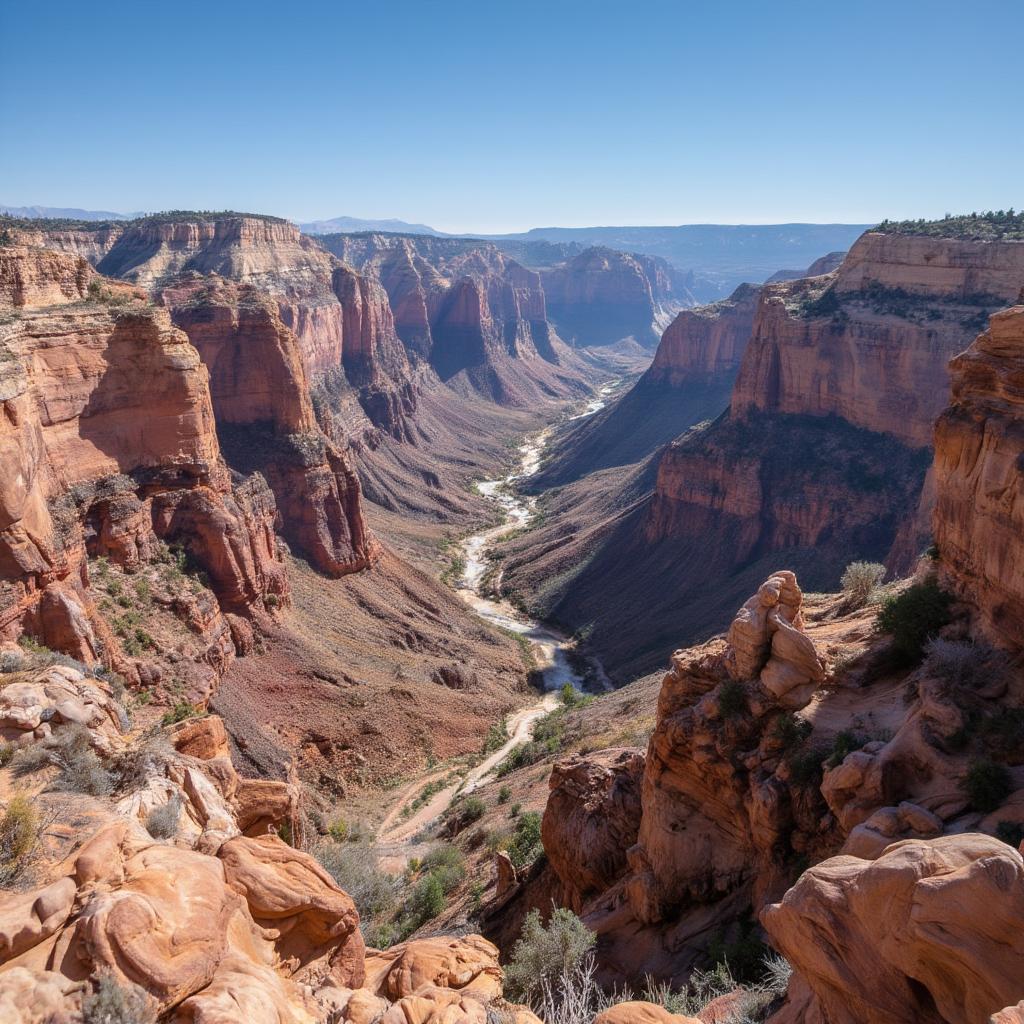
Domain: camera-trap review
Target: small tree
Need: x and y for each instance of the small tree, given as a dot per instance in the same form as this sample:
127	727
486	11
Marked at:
543	956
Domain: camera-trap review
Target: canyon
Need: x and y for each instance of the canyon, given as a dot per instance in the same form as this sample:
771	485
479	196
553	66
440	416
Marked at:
293	530
820	456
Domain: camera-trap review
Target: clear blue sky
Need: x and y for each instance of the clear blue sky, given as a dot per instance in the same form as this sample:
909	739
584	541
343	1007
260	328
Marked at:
501	116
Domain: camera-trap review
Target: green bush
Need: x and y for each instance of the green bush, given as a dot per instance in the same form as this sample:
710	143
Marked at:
504	795
845	743
526	845
732	698
987	785
19	828
546	955
426	902
181	710
913	618
791	731
354	866
447	864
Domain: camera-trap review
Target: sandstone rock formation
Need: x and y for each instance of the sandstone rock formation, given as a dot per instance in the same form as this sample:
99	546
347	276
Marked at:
265	419
342	320
110	448
705	345
602	296
478	317
927	932
591	819
978	510
218	923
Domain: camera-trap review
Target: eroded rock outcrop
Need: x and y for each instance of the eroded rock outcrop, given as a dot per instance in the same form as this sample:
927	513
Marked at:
265	419
979	513
927	932
705	345
109	449
217	923
477	316
602	296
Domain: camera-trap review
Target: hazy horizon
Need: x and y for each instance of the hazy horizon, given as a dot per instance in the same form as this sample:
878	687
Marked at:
486	120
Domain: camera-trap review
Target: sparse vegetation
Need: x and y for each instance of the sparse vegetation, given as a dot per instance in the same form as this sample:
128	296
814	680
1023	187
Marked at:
992	225
110	1002
525	846
70	750
181	710
548	738
963	664
162	822
732	698
987	784
547	955
497	737
19	827
860	580
913	617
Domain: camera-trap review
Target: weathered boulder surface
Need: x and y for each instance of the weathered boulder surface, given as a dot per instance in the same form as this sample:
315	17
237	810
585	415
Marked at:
927	932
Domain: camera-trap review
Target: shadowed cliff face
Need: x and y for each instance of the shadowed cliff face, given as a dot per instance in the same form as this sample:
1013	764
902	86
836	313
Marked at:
110	449
475	315
821	459
602	296
690	380
265	420
979	455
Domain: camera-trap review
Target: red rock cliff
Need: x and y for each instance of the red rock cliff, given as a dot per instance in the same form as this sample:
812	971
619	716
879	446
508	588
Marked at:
706	344
343	323
109	446
979	476
265	418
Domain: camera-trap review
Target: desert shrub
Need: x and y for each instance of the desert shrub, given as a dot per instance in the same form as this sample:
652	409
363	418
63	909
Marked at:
845	743
162	822
19	828
6	753
182	709
548	738
462	813
12	661
425	902
987	784
497	737
732	698
525	846
574	997
70	749
547	955
110	1002
859	581
1003	734
791	731
1011	832
504	795
962	663
743	954
805	769
913	618
354	866
447	864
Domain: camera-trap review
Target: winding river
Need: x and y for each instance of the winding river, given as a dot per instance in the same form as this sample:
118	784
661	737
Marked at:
549	646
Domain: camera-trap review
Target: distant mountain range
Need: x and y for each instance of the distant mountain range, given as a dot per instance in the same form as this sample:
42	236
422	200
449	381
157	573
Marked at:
725	255
63	212
353	225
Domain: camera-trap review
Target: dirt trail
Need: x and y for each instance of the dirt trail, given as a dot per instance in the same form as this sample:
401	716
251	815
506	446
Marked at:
395	829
